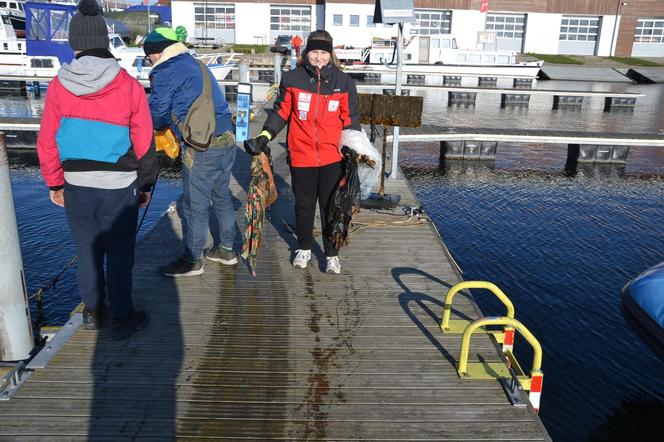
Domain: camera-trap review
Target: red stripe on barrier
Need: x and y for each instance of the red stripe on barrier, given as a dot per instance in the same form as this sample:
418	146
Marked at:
509	336
536	383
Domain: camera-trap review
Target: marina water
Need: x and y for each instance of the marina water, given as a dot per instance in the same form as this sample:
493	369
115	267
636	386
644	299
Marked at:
560	246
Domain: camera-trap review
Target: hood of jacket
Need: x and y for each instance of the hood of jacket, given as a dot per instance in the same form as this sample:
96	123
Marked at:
88	75
171	51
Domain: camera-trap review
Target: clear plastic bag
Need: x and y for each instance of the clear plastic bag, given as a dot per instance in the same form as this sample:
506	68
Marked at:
359	142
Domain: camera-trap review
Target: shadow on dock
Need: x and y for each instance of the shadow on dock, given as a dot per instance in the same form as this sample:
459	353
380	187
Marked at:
134	381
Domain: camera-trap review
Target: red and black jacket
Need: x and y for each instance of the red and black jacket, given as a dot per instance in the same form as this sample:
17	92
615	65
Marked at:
317	105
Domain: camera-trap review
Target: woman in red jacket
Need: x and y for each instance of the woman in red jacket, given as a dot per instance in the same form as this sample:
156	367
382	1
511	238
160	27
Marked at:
317	101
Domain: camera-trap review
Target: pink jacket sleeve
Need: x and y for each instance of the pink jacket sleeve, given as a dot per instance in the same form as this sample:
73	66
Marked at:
140	126
47	149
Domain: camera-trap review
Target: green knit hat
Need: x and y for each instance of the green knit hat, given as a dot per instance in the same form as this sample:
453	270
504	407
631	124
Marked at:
160	39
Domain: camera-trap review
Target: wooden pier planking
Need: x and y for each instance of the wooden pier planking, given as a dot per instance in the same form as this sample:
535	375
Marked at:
288	355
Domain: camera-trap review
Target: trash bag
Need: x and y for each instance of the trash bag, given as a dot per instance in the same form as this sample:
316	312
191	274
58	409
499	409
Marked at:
345	200
369	165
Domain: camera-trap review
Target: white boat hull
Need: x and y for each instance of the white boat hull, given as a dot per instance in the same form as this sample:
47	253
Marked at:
524	70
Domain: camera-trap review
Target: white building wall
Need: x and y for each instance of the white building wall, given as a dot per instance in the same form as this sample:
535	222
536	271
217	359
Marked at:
252	23
361	35
183	15
465	27
542	33
607	32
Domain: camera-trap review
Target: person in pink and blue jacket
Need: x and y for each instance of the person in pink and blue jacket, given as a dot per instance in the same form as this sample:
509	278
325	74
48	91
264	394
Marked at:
97	158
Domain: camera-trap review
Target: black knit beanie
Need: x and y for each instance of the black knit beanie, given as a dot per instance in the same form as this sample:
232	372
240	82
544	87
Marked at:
87	29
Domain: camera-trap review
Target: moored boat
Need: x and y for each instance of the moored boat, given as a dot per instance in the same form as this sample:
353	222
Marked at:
437	55
46	47
642	304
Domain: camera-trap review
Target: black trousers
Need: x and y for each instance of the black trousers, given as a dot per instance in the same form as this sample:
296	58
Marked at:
311	184
103	224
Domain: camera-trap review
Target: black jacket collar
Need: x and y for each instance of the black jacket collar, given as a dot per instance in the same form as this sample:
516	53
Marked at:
325	72
96	52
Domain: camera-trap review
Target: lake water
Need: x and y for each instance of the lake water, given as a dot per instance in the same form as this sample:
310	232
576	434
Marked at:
561	247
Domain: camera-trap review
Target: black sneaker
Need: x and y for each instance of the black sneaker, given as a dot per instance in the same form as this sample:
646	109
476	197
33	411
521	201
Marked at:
91	319
123	329
219	254
183	267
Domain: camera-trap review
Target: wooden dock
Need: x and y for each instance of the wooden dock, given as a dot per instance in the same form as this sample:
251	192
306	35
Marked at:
288	355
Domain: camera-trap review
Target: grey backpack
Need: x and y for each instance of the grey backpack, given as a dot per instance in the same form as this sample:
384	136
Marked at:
199	124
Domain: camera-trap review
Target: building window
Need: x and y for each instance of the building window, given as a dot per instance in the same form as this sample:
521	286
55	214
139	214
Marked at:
579	28
506	25
290	18
432	22
214	16
355	20
649	30
337	20
370	22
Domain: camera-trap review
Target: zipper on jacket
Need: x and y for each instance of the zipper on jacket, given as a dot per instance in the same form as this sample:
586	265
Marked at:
316	116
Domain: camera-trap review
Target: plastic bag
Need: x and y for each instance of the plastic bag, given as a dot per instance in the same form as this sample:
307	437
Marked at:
345	201
368	175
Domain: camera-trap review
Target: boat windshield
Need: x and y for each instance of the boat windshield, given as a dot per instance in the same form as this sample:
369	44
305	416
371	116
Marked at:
117	42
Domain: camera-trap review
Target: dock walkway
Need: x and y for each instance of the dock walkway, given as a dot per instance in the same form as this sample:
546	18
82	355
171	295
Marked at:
288	355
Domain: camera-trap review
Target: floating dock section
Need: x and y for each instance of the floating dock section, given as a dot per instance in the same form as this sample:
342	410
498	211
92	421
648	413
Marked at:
646	75
580	73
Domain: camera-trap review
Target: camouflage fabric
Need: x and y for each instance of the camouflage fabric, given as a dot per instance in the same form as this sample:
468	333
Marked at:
262	192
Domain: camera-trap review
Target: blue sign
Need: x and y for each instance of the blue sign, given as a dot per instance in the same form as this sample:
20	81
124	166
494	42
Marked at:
243	110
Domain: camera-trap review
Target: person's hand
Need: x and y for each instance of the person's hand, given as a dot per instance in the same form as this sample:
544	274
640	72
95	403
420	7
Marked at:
257	145
144	199
348	153
57	197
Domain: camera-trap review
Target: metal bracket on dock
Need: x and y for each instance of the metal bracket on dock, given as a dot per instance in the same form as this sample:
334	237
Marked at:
508	371
13	380
54	344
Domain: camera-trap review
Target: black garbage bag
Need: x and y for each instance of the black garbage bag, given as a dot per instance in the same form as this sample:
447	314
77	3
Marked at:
345	201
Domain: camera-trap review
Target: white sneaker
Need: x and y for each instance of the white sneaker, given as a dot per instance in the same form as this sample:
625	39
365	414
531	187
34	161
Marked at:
302	258
333	265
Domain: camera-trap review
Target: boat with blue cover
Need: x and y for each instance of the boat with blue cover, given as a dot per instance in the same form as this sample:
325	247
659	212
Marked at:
642	304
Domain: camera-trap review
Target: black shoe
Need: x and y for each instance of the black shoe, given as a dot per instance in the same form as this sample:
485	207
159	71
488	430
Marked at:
91	319
123	329
224	256
183	267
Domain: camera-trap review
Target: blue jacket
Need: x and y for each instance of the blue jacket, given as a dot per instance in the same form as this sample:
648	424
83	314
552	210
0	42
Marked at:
177	81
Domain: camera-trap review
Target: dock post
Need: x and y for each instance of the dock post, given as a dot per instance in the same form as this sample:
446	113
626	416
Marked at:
277	67
442	155
572	162
243	72
35	89
16	340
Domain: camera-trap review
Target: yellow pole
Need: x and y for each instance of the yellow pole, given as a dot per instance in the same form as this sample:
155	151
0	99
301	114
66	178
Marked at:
499	320
447	307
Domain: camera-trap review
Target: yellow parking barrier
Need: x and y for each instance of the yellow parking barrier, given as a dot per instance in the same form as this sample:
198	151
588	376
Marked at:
457	326
499	370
